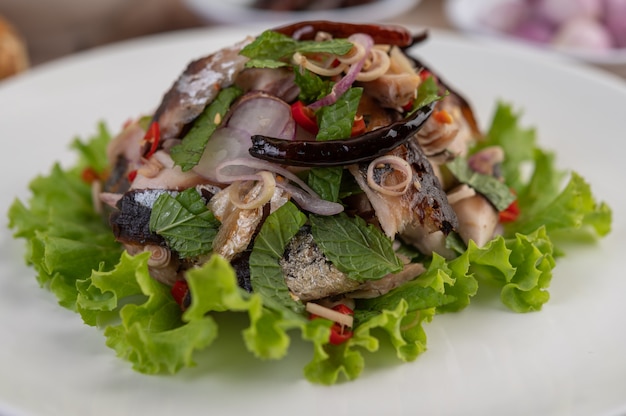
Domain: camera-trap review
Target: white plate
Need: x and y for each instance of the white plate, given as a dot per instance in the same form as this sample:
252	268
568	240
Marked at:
565	360
469	16
242	12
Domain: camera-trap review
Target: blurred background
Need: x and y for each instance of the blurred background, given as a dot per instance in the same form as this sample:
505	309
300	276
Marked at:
33	32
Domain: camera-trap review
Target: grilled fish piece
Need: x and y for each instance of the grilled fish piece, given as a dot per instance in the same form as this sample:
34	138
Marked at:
197	86
421	210
239	225
131	221
308	273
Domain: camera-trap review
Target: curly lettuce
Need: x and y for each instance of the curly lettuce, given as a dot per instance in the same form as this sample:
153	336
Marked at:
76	257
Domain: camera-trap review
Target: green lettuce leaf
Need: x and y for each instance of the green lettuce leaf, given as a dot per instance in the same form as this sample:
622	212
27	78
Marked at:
148	331
65	237
75	256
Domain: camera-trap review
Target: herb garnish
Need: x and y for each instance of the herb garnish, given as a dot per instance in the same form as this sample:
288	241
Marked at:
185	222
268	49
189	152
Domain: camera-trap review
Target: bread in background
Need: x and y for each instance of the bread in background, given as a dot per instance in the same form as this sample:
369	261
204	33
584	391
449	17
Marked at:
13	52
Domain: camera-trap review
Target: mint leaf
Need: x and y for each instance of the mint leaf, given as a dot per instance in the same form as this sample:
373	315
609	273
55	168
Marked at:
336	120
326	182
332	46
312	86
188	153
273	46
495	191
184	221
265	63
361	251
266	275
427	93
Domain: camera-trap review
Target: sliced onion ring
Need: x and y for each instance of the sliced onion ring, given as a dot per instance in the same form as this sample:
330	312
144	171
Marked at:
331	71
396	163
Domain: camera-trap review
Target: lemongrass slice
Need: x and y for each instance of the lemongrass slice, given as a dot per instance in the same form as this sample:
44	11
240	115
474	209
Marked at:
302	61
333	315
354	55
397	164
377	65
253	201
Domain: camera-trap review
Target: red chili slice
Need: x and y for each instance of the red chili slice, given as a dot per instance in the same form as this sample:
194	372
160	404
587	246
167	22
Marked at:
89	175
180	293
153	136
305	117
338	333
358	126
511	213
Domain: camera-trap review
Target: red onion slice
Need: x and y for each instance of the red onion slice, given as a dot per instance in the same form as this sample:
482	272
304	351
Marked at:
344	83
255	112
258	111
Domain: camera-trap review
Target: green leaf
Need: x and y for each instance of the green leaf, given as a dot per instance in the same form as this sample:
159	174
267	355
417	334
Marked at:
518	144
427	93
269	45
446	286
326	182
312	87
65	238
274	46
495	191
359	250
336	120
265	63
184	221
574	208
266	274
90	153
150	334
188	153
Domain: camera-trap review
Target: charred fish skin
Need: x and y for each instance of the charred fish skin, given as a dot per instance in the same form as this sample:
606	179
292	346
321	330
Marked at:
434	210
196	87
421	210
131	221
308	273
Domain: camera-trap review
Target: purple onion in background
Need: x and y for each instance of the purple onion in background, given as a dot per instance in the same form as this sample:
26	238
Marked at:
615	12
583	33
584	24
535	29
562	11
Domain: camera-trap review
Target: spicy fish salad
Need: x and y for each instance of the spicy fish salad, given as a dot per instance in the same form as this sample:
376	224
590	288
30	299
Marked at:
317	177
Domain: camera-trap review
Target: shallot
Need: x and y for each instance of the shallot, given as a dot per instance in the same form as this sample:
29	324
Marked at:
596	25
